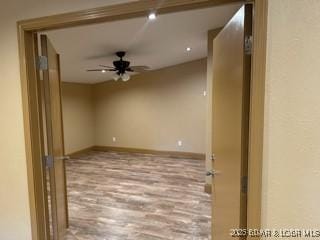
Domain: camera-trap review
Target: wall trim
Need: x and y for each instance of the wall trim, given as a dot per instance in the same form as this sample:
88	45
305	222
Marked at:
176	154
81	151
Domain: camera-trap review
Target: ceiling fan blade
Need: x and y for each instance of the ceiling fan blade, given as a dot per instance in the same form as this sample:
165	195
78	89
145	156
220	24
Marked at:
140	68
94	70
100	70
104	66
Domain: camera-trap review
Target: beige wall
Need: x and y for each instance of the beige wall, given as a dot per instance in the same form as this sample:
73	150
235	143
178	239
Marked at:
291	173
154	110
78	116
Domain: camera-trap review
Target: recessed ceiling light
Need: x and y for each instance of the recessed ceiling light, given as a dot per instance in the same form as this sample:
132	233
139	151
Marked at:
103	71
188	49
152	16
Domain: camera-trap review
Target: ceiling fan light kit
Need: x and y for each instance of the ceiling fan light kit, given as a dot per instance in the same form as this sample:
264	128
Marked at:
116	76
121	68
124	77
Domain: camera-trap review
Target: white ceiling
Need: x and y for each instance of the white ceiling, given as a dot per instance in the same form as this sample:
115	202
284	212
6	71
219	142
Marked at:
159	43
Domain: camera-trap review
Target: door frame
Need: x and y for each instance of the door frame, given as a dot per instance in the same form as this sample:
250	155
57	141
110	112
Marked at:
31	95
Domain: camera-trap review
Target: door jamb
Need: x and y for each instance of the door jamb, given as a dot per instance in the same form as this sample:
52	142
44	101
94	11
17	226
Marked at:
31	95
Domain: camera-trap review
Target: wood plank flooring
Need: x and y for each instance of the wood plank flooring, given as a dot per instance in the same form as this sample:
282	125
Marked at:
120	196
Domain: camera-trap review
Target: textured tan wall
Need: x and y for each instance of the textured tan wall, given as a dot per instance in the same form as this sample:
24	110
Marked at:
78	116
291	173
94	114
154	110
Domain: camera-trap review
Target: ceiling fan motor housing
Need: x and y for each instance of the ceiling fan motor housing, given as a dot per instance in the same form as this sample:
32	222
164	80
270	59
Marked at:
121	65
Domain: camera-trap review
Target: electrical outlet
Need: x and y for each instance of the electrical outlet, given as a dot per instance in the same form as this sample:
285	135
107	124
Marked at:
114	139
179	143
204	93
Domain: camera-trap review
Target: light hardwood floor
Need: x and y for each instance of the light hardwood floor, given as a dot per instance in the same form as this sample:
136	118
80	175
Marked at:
119	196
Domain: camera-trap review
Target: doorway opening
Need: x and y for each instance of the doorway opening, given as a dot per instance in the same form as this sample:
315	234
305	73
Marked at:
100	150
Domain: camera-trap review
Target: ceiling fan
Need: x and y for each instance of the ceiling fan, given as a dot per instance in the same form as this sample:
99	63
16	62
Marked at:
121	68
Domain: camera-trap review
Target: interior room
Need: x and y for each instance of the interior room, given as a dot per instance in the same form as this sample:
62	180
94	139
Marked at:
284	153
137	141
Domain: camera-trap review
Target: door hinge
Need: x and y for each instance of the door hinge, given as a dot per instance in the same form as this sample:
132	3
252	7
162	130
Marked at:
43	63
212	173
244	184
48	161
248	45
213	157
